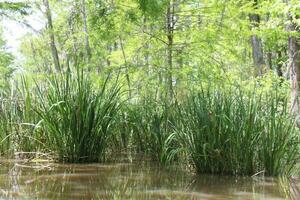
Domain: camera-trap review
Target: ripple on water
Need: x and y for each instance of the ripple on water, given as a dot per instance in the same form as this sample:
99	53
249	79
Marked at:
137	180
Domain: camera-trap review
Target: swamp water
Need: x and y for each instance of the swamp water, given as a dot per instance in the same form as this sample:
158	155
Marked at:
137	180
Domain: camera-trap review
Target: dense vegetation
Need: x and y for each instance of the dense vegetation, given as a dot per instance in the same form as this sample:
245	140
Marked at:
212	84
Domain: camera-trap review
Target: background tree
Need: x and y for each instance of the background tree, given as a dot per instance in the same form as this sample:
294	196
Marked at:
294	55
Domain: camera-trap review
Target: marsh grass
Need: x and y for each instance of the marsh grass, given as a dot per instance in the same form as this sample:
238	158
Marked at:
217	131
152	128
18	120
6	118
280	139
76	118
26	134
238	133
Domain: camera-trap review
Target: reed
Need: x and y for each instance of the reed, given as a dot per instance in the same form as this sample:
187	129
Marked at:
17	120
218	131
238	133
76	118
6	115
152	126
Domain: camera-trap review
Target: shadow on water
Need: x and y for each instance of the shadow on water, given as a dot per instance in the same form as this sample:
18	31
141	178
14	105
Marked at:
137	180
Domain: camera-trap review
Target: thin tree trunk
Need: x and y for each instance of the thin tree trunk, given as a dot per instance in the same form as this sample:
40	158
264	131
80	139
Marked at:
109	49
52	37
85	30
33	51
269	60
279	64
170	23
256	43
74	45
158	93
126	67
147	47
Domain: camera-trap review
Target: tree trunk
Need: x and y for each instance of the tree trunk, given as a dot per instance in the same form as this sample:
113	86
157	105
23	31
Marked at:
294	65
170	29
74	43
33	51
279	64
52	37
126	67
85	30
294	62
147	47
256	43
269	60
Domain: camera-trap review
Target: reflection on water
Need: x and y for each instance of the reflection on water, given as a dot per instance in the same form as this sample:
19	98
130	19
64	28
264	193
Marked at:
138	180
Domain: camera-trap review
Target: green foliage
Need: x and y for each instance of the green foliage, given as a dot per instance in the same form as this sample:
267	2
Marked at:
156	48
6	127
16	7
6	60
152	126
153	8
221	131
18	120
77	119
239	133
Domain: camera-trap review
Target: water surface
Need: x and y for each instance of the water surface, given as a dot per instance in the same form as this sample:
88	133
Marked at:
137	180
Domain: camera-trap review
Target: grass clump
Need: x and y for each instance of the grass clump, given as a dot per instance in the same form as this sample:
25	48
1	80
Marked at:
218	131
17	120
278	147
6	127
76	118
238	133
152	127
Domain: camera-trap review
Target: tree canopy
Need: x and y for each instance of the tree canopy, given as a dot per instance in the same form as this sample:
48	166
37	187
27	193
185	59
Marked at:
167	43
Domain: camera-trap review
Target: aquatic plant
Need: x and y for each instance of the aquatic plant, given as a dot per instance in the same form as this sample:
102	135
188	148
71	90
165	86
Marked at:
6	114
238	133
278	147
76	118
152	125
17	120
217	131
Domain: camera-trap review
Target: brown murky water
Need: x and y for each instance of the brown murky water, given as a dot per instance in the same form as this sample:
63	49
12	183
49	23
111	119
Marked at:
138	180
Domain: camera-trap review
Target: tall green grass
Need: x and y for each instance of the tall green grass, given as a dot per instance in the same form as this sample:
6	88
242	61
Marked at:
76	118
152	128
6	117
238	133
217	131
279	143
17	120
26	136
